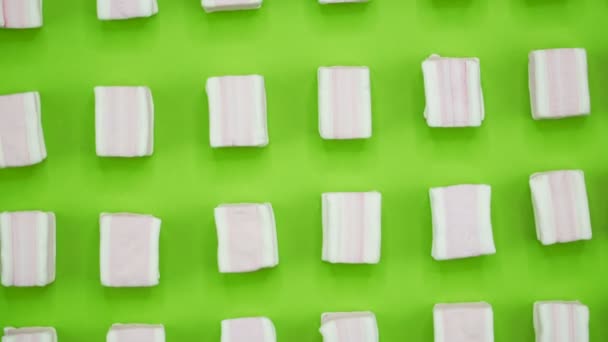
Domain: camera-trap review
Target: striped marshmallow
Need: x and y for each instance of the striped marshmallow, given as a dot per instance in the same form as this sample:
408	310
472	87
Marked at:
230	5
349	327
21	137
559	84
561	207
129	250
124	121
324	2
462	225
20	14
136	333
345	106
464	322
247	237
453	92
237	111
254	329
27	247
37	334
125	9
561	322
352	227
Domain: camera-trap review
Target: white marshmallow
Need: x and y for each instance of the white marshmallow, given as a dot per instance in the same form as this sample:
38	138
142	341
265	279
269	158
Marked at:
254	329
20	14
561	321
230	5
324	2
136	333
125	9
349	327
38	334
463	322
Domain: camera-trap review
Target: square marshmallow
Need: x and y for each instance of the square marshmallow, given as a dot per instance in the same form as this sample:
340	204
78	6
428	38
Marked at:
345	106
352	227
125	9
465	322
21	138
561	321
230	5
124	121
559	84
129	250
561	207
237	111
255	329
27	247
136	333
462	225
453	92
20	14
37	334
247	237
349	327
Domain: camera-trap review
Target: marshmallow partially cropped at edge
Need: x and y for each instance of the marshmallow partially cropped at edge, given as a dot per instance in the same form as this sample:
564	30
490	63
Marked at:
230	5
561	206
561	321
559	85
237	111
38	334
463	322
452	88
21	136
136	333
20	14
349	327
324	2
125	9
250	329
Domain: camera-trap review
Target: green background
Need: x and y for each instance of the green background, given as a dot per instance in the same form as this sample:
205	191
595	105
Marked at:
286	41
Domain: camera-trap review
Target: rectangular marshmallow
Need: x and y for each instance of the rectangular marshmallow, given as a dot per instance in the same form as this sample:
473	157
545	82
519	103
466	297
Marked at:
462	225
453	92
125	9
237	111
136	333
465	322
124	121
230	5
20	14
349	327
339	1
561	207
35	334
561	321
345	106
352	227
559	85
254	329
129	250
21	137
247	237
27	247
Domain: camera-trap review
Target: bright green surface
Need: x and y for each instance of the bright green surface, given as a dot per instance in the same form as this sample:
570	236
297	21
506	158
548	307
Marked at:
286	41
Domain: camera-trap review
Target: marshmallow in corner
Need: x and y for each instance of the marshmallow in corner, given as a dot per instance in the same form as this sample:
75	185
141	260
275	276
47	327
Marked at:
136	333
125	9
38	334
349	326
230	5
561	321
20	14
253	329
463	322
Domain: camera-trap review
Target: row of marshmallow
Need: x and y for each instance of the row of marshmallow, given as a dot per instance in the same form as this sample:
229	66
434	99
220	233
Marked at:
247	237
461	322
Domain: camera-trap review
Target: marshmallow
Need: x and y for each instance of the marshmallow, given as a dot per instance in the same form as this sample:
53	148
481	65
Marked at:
561	321
20	14
561	207
27	247
462	226
453	92
345	106
465	322
136	333
124	121
352	227
349	327
558	83
237	111
247	237
125	9
129	250
230	5
255	329
339	1
29	335
21	137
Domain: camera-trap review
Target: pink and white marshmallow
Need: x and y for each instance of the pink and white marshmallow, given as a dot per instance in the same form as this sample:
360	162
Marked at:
462	225
230	5
463	322
561	321
237	111
247	237
33	334
125	9
559	85
561	206
352	227
27	248
136	333
129	250
349	327
21	137
453	92
254	329
20	14
124	121
345	106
